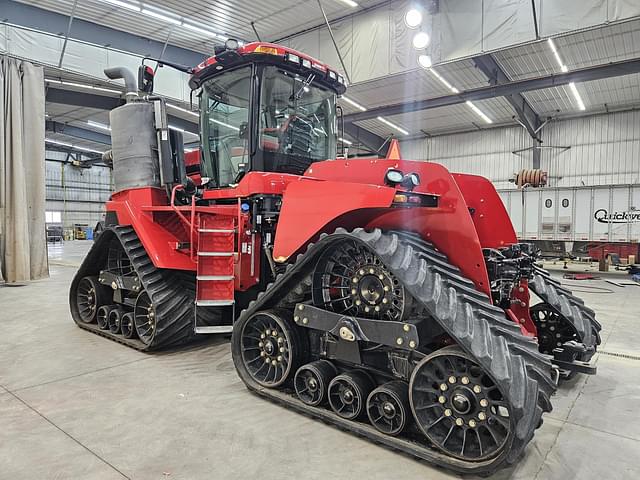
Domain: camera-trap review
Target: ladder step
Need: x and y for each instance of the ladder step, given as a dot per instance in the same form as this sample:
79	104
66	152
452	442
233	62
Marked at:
215	329
216	254
214	303
215	278
216	230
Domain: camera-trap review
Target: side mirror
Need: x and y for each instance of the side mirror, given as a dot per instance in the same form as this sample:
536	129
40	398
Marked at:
145	79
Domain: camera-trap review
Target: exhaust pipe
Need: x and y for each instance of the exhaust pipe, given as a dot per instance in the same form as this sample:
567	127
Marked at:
130	81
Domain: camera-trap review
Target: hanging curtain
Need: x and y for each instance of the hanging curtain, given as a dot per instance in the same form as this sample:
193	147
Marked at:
23	247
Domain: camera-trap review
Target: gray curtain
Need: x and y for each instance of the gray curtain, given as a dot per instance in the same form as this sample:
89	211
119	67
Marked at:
23	247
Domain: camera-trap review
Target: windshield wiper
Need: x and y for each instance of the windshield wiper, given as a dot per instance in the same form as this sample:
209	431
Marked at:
305	84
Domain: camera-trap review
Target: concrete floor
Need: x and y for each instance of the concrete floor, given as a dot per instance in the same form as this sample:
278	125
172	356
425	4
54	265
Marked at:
77	406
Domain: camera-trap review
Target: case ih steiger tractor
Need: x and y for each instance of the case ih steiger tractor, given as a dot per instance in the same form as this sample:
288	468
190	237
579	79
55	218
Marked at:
386	296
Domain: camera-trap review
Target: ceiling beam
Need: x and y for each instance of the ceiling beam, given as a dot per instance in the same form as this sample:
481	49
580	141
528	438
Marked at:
526	116
103	102
77	132
35	18
370	140
614	69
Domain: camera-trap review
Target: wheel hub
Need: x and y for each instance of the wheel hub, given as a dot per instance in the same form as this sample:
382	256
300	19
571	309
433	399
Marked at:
371	289
347	396
388	410
462	402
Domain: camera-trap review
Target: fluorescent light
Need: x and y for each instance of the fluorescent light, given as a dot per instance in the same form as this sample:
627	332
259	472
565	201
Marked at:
443	81
57	142
413	18
82	85
218	122
180	109
576	95
424	61
160	15
84	149
393	125
127	5
479	112
421	40
204	31
562	66
344	140
171	127
355	104
351	3
102	126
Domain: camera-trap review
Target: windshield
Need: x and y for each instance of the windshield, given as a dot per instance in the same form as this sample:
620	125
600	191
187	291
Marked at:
296	124
297	121
224	105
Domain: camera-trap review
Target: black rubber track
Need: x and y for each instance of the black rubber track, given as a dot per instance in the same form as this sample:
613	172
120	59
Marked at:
572	309
171	291
496	343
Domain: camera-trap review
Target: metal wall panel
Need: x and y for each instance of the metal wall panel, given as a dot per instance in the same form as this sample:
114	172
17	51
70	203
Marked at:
605	150
79	193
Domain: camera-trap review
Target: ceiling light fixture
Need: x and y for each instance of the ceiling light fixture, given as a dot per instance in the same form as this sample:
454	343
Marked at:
218	122
552	45
127	5
443	81
421	40
57	142
355	104
351	3
82	85
344	140
479	112
180	109
84	149
576	95
393	125
101	126
413	18
424	61
161	15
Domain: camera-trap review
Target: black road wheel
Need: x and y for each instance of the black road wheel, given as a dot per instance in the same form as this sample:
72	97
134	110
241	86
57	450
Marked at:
271	347
459	407
388	407
90	296
126	325
114	318
349	278
144	318
312	380
348	393
103	316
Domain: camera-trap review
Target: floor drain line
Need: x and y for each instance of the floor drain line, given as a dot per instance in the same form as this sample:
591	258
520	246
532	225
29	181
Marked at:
620	355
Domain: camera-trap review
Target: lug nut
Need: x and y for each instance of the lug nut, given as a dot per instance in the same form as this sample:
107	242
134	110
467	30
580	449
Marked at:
354	291
358	302
354	279
371	271
465	380
443	387
280	340
399	341
305	320
412	344
296	318
447	412
459	422
263	336
452	379
406	327
279	358
377	309
366	309
274	363
386	288
300	307
482	415
472	423
477	389
484	402
261	344
384	300
381	277
442	399
282	349
274	332
262	354
267	360
361	272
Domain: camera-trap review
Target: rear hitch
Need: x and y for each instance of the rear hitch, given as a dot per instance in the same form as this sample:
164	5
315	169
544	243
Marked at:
565	358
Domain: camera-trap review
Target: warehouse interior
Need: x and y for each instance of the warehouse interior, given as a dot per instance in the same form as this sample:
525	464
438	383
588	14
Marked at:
539	98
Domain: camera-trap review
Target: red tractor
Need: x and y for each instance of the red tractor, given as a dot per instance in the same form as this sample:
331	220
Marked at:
386	296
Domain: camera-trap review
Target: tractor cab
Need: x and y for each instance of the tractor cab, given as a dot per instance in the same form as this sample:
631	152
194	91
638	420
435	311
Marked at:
264	108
